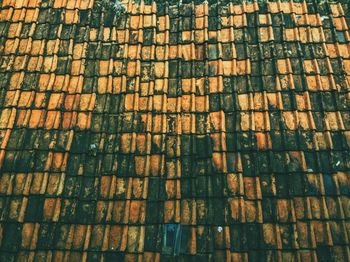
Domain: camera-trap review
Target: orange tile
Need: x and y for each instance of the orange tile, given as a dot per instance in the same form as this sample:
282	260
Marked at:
172	104
290	120
14	30
217	121
187	36
104	67
228	68
245	121
134	21
332	120
173	51
55	101
147	21
33	63
199	36
186	103
147	53
102	85
16	16
239	20
304	34
332	50
87	102
129	102
301	102
158	103
71	16
169	211
243	101
5	14
326	82
16	81
187	85
31	15
283	66
214	86
20	62
69	102
260	121
263	140
23	46
265	34
187	51
85	4
290	34
309	66
133	52
36	118
317	34
11	99
312	83
10	46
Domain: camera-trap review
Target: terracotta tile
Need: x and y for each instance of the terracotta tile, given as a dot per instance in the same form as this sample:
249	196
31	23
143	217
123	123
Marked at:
172	105
79	51
52	120
243	67
147	53
289	120
317	34
263	141
10	46
14	30
103	67
31	15
326	82
265	34
344	50
302	101
239	21
291	34
283	66
19	63
71	16
304	35
36	118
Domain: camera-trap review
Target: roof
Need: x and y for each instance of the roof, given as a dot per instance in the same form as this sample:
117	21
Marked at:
215	131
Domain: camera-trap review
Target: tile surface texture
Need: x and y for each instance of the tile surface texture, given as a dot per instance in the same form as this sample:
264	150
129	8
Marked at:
230	119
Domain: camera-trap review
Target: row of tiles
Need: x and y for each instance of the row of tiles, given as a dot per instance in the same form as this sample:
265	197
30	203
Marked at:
123	53
217	59
201	239
174	123
172	145
337	253
147	7
162	22
200	211
149	36
36	87
315	188
185	102
92	163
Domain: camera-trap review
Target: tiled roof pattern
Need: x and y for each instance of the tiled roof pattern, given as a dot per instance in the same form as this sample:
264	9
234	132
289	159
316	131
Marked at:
213	116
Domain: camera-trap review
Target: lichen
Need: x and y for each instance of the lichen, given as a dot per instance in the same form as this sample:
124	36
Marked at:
112	6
